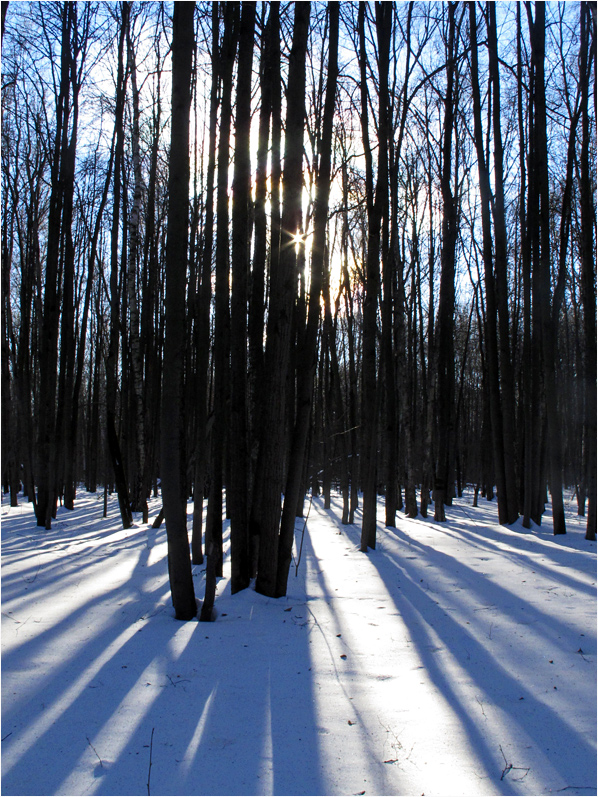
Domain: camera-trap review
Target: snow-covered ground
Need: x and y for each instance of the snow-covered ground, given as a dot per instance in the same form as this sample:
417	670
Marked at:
456	659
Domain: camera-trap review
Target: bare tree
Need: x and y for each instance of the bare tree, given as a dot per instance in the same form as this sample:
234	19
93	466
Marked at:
172	465
239	485
308	355
266	509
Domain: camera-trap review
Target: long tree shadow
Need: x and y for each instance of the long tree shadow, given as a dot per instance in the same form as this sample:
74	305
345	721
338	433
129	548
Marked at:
406	581
476	583
117	684
352	681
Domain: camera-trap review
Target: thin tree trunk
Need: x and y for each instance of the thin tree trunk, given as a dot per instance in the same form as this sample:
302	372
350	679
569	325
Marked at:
507	381
222	291
46	444
239	486
113	346
202	328
308	357
138	497
446	300
375	204
529	417
588	263
258	273
491	331
543	265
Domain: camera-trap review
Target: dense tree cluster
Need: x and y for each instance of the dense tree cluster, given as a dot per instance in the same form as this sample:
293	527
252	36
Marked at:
253	249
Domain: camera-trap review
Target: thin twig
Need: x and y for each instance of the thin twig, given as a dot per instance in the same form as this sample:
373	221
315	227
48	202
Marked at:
149	771
580	651
510	767
95	751
481	702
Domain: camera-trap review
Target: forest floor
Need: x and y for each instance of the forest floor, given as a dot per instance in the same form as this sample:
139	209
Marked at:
455	659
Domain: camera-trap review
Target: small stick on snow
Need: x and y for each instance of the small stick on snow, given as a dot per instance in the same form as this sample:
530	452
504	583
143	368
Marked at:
95	751
481	703
149	771
509	767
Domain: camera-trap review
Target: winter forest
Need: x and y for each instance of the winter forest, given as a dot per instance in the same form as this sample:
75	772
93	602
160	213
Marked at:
301	298
263	249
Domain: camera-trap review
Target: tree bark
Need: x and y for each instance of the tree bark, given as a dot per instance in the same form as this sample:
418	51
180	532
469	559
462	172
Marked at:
173	480
221	355
258	273
239	486
543	267
375	204
47	442
202	325
308	357
138	496
115	309
491	331
266	509
446	300
588	263
507	382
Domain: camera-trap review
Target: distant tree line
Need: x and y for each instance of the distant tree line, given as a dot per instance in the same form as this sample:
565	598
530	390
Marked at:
255	249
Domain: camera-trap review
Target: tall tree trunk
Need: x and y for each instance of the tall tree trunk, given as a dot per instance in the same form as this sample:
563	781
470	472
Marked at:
115	309
384	28
10	408
80	364
47	443
172	465
375	204
507	381
239	486
138	496
588	263
308	355
525	208
65	454
258	272
151	317
491	331
351	369
222	292
202	325
543	267
266	510
445	387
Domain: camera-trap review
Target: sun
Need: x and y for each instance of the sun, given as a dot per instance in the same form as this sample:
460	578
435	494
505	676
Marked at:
298	238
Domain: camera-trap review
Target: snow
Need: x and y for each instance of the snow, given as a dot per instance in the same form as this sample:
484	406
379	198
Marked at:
455	659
